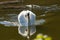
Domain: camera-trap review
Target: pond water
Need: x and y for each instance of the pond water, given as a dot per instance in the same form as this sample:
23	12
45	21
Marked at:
50	13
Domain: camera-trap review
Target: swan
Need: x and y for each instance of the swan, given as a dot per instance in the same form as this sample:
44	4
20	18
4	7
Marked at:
26	20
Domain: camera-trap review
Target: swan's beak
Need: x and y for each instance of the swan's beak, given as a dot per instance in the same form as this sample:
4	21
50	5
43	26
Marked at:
27	15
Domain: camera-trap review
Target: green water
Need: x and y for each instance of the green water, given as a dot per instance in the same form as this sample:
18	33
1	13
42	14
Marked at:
51	27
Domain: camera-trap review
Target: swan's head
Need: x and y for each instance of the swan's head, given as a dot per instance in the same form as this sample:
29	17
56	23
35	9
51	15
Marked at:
27	15
26	12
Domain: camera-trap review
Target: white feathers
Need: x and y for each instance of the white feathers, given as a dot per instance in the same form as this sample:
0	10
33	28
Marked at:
23	21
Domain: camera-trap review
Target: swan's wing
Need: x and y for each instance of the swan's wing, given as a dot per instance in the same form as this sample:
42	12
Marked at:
8	23
40	22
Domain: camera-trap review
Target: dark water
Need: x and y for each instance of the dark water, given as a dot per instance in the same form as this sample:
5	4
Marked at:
51	27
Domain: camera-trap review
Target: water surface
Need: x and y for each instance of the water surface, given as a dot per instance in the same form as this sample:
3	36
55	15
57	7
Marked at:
51	27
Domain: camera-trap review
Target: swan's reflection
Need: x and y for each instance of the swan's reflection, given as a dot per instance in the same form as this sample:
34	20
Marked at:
23	23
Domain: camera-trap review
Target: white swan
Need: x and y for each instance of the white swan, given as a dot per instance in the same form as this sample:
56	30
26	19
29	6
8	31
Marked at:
23	23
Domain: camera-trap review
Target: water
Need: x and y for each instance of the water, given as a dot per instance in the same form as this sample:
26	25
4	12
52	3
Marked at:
50	28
